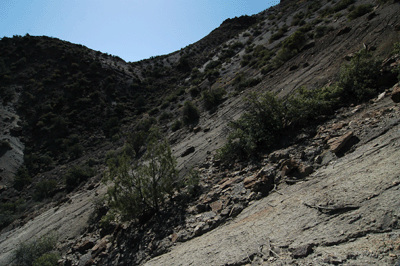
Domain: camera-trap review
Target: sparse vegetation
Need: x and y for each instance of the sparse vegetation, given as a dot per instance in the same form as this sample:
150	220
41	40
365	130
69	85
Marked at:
37	252
360	11
190	113
213	98
78	174
267	116
259	127
45	189
358	79
279	34
138	189
5	145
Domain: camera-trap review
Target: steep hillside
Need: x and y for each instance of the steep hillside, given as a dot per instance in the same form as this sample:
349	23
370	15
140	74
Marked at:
66	110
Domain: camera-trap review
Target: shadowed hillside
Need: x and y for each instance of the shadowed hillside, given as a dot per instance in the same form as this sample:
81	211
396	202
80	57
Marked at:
262	107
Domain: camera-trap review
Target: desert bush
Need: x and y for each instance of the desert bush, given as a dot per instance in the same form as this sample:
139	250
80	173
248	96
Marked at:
21	178
192	181
297	18
358	79
240	82
343	4
213	65
259	127
154	111
30	253
137	140
6	94
141	188
282	56
78	174
213	98
9	212
111	126
5	145
48	259
279	34
306	105
190	113
45	189
294	41
360	11
314	6
75	151
322	30
177	124
396	50
194	91
145	124
164	116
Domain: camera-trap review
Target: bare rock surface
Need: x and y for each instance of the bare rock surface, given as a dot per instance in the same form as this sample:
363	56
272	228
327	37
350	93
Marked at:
67	221
349	201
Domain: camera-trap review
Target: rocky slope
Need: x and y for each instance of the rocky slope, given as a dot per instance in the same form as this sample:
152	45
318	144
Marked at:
327	196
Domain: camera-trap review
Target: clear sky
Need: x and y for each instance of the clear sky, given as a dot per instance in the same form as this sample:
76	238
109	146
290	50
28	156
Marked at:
130	29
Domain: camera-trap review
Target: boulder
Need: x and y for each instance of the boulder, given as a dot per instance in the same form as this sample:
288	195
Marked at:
87	244
396	93
302	251
336	144
188	151
216	206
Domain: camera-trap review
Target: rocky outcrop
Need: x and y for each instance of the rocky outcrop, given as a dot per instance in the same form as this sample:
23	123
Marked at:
396	93
335	217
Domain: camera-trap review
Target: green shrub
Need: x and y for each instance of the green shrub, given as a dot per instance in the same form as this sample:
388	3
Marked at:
164	116
176	125
358	79
21	178
294	41
154	111
213	98
194	91
9	212
49	259
190	113
343	4
145	124
111	126
322	30
297	18
213	65
45	189
138	189
282	56
360	11
29	253
6	94
306	105
241	83
137	140
78	174
259	127
279	34
75	151
314	6
396	50
5	145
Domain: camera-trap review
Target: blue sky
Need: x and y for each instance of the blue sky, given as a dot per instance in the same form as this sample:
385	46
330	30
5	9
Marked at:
130	29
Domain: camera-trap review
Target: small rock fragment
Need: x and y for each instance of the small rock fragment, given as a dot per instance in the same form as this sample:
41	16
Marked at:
302	251
338	143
